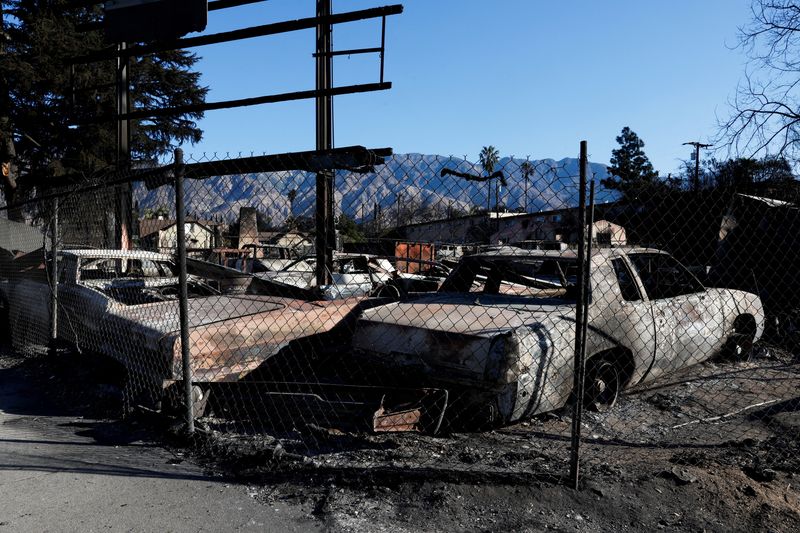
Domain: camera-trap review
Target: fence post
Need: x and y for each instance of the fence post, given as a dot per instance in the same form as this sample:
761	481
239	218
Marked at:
183	293
580	325
54	276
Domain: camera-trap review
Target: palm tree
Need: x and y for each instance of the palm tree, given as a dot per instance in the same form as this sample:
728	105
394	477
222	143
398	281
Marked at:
489	157
290	221
527	170
291	195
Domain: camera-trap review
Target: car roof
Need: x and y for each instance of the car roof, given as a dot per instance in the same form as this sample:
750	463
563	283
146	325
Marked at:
513	252
113	254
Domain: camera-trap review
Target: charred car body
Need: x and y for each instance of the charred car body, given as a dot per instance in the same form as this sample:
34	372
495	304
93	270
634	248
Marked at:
124	304
358	275
499	334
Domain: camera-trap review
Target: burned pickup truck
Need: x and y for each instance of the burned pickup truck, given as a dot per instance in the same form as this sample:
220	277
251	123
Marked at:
123	304
499	334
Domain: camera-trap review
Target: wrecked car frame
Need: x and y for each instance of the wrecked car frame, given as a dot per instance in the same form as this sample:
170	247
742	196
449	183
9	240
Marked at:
123	304
499	334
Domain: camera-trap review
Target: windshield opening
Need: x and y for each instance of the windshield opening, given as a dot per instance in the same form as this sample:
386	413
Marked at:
518	277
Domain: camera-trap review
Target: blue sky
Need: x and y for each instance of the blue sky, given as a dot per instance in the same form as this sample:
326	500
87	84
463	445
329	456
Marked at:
531	77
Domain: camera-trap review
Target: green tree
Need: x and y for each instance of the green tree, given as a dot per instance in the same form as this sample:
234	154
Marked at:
292	195
631	172
160	211
348	229
47	128
489	157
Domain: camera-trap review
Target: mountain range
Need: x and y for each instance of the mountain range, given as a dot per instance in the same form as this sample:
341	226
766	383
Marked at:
408	183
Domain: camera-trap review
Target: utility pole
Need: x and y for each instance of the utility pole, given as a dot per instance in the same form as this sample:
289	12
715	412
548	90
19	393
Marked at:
697	145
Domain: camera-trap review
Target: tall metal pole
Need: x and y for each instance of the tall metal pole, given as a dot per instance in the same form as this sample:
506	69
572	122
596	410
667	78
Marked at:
325	238
54	275
580	324
588	273
183	293
123	192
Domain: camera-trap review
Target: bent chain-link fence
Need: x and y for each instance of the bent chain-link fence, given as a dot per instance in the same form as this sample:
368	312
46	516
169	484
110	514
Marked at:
440	332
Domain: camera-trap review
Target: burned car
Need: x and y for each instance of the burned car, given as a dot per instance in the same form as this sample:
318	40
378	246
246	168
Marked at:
499	334
355	275
123	304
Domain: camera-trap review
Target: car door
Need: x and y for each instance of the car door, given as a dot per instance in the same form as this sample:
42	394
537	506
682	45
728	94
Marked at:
628	316
681	310
82	311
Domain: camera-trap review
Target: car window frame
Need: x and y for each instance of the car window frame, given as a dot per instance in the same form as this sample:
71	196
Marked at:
629	269
659	293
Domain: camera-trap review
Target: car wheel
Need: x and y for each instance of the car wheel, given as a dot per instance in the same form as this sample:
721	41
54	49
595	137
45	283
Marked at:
387	290
739	347
602	385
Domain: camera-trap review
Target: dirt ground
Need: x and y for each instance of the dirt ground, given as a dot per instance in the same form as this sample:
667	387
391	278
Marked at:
712	448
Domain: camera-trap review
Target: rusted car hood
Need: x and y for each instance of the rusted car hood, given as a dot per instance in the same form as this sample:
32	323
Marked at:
229	348
231	336
163	316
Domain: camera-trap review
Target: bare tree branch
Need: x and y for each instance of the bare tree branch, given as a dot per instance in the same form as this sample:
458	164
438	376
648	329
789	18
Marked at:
765	111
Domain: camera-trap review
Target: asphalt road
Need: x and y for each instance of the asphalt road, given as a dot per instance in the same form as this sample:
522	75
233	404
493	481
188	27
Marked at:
62	473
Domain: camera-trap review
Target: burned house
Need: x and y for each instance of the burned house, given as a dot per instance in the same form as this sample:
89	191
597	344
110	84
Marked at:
557	225
161	235
255	233
757	250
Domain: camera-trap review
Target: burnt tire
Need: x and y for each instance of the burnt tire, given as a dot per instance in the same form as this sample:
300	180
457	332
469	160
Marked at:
386	290
739	346
602	384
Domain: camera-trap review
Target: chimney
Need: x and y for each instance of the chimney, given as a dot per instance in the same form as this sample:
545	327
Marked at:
248	226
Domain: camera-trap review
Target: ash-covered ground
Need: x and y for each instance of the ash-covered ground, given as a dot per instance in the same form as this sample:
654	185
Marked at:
710	448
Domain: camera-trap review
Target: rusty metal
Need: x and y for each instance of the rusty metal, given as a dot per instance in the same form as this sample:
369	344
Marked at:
410	254
238	343
396	421
422	414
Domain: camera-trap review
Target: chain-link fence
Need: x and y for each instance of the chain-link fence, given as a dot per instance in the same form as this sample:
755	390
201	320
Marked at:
428	316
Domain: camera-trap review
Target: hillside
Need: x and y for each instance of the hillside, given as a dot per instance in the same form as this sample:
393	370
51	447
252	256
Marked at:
411	181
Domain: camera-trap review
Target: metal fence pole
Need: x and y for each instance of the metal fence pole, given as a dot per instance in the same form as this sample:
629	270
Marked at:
580	325
587	294
325	240
54	275
183	294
